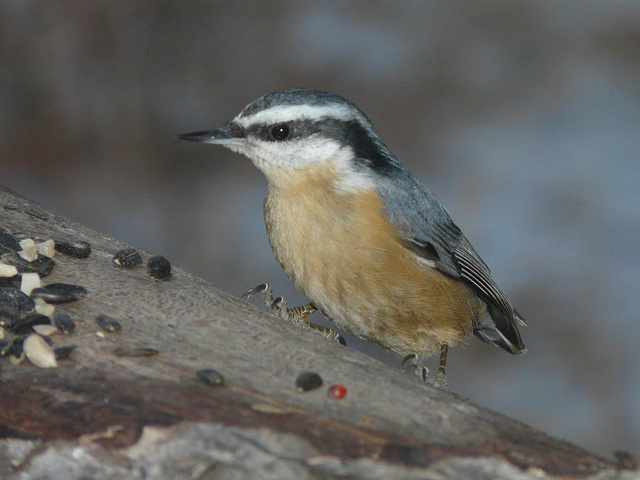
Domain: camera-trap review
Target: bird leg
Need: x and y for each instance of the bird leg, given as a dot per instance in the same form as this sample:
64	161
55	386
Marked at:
421	369
295	315
441	375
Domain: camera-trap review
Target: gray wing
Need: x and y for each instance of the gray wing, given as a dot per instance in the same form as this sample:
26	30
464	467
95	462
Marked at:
430	233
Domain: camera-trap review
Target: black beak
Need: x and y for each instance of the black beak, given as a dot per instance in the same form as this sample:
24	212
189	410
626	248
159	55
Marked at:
218	135
230	134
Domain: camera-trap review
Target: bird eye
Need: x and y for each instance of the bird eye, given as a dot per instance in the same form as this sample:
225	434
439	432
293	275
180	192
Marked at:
280	132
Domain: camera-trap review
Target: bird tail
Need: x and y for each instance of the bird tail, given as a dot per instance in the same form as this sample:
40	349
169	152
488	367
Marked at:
499	329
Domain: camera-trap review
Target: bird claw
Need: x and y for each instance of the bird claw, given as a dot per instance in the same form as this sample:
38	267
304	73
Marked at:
295	315
279	307
264	289
421	370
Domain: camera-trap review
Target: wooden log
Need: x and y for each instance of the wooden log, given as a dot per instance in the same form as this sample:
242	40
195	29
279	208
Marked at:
104	415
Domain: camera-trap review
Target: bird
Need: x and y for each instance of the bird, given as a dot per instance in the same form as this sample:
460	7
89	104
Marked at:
360	236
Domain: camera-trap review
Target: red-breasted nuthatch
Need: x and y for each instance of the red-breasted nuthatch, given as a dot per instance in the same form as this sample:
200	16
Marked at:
360	236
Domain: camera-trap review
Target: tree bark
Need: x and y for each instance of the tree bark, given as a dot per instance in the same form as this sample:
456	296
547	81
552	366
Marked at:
104	415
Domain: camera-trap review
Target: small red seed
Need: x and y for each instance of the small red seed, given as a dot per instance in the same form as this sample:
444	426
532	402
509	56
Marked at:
337	391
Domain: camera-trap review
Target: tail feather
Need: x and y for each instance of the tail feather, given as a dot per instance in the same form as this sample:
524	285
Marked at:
499	329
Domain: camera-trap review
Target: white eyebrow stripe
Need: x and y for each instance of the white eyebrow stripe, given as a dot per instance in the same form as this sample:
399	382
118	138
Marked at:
288	113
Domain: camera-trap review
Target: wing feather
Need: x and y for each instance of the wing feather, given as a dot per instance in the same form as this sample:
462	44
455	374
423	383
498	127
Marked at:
431	234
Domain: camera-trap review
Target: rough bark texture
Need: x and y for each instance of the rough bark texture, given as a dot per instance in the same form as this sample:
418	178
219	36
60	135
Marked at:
100	415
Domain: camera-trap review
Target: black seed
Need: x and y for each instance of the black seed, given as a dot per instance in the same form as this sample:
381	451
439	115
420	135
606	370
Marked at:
74	249
8	241
210	377
308	381
15	347
62	353
7	299
42	265
64	323
135	352
128	258
59	293
25	324
8	317
10	281
10	296
108	324
5	345
159	268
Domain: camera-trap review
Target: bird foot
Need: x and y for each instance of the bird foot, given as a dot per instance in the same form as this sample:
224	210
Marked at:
295	315
439	380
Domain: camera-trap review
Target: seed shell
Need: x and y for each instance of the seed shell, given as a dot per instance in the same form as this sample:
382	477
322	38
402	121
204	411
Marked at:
44	308
29	282
59	293
41	265
128	258
8	317
18	358
64	323
45	330
5	347
7	270
8	241
307	381
108	324
28	249
210	377
29	254
159	268
62	353
74	249
25	324
12	297
46	248
15	348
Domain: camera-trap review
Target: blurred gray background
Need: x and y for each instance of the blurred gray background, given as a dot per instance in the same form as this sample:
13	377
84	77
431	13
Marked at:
522	117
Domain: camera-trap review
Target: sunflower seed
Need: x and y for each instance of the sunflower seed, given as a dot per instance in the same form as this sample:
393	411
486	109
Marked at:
8	317
64	323
108	324
59	292
128	258
210	377
12	297
159	268
74	249
41	265
25	324
8	241
307	381
62	353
